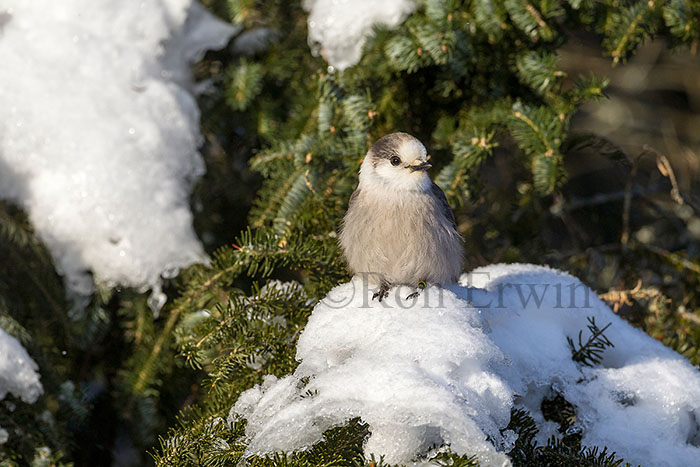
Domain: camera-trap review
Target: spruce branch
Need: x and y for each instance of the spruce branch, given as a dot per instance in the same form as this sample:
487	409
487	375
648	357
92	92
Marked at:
521	115
303	186
539	71
557	452
16	231
523	425
590	353
245	83
539	133
12	327
452	460
490	16
682	17
530	20
629	27
258	255
404	54
589	87
40	285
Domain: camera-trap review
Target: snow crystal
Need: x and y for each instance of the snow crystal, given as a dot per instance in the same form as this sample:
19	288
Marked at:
340	27
99	132
446	369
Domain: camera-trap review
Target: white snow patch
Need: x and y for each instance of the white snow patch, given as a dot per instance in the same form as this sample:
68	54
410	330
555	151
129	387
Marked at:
447	368
339	28
18	374
99	132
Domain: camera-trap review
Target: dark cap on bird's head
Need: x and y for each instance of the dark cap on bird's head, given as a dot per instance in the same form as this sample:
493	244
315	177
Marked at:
400	150
397	161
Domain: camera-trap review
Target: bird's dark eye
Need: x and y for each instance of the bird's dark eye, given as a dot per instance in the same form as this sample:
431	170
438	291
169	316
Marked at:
395	160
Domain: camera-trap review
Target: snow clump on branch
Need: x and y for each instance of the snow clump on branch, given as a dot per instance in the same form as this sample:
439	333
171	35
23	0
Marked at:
446	369
18	374
99	131
339	28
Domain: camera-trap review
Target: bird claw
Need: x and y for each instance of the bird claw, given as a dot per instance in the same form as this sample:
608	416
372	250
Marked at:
421	285
383	292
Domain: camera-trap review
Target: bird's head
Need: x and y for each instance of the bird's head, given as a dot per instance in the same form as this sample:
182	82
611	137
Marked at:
397	161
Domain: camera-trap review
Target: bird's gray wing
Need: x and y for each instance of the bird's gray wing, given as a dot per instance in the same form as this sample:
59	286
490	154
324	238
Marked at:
444	205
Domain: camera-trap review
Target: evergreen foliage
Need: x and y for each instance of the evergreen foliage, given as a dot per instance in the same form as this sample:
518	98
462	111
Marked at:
566	450
557	452
285	137
589	353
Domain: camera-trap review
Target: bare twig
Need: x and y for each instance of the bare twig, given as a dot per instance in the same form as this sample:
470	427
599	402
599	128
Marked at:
664	166
627	206
575	203
673	258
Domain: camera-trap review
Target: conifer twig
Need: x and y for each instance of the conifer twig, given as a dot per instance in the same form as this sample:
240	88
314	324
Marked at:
145	371
521	116
619	50
589	353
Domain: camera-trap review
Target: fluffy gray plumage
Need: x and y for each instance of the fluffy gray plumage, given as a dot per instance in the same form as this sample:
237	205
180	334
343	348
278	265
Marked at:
398	224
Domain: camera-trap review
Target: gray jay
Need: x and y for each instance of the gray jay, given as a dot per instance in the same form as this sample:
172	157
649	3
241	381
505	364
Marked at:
399	229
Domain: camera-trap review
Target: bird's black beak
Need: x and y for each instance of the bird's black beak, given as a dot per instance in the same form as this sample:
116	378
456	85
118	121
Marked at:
423	166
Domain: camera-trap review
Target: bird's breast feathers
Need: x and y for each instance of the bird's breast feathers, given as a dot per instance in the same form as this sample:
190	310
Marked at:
405	235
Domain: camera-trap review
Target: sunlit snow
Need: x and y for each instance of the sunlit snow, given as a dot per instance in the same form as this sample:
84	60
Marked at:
446	369
99	132
339	28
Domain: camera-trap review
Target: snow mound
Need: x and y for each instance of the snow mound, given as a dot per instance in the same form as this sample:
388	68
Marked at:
99	132
18	372
446	369
339	28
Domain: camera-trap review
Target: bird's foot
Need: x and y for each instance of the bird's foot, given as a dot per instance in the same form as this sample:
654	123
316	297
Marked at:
383	291
419	288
